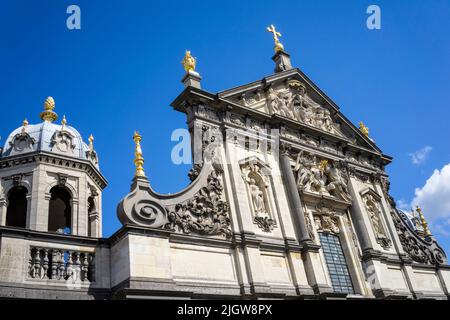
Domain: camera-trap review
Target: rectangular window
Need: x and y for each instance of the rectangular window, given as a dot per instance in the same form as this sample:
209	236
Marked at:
336	264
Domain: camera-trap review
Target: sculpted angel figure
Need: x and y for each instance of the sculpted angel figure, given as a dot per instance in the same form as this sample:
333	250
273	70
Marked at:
274	100
303	167
317	180
327	121
337	185
302	107
323	119
285	105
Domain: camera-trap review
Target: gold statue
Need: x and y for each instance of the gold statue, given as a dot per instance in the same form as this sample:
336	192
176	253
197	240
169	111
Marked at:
91	143
48	114
63	122
363	129
138	158
278	45
426	230
323	165
189	62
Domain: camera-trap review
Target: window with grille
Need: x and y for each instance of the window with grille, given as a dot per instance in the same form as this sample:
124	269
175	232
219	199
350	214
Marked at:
336	264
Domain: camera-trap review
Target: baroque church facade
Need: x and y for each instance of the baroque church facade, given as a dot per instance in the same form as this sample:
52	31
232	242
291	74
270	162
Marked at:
288	200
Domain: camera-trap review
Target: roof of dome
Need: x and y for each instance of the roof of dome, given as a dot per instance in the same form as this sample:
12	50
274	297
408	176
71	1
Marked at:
50	137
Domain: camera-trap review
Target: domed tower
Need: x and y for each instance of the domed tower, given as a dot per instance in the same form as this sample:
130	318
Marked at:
50	179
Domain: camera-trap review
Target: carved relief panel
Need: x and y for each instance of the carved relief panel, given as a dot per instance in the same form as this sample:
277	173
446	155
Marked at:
326	219
322	176
22	142
62	141
294	103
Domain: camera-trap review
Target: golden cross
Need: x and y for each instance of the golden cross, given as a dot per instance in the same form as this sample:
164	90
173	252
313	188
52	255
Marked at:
274	31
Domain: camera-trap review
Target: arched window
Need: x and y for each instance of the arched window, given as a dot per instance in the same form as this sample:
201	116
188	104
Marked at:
16	214
60	211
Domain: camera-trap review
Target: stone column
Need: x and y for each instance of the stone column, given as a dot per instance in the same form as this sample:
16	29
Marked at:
358	216
3	209
75	214
28	220
294	197
314	267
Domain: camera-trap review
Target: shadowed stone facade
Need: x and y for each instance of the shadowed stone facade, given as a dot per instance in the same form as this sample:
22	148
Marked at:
288	200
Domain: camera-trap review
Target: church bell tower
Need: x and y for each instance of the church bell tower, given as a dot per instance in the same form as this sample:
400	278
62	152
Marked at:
50	179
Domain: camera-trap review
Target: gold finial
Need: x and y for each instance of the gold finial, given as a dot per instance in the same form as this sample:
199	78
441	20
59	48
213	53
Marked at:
278	45
138	158
48	114
363	129
323	165
189	62
426	230
91	142
63	122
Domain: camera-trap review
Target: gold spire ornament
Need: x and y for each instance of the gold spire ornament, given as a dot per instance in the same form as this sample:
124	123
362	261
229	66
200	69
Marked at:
63	122
364	129
48	114
426	230
189	62
91	143
278	45
138	158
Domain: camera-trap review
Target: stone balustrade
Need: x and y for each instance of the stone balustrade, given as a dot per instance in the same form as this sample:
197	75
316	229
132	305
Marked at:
61	264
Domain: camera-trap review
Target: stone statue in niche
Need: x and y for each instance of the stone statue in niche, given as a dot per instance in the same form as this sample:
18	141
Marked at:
321	176
257	198
257	188
374	210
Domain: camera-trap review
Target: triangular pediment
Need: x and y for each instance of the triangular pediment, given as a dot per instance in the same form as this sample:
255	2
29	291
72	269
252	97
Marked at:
292	95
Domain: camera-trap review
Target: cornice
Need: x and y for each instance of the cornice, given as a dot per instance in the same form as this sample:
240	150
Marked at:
56	160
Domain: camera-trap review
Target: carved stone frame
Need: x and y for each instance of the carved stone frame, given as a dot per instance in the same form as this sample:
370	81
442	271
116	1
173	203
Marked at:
384	242
268	223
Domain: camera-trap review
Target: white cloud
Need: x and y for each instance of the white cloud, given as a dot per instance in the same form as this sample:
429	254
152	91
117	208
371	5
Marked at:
420	156
403	205
434	196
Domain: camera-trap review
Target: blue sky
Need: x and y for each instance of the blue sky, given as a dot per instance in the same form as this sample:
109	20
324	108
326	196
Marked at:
122	69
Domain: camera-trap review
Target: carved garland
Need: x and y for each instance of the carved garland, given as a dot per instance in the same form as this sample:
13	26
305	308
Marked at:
326	219
205	213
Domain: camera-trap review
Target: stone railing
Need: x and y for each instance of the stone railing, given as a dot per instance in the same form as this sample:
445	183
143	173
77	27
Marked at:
61	264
